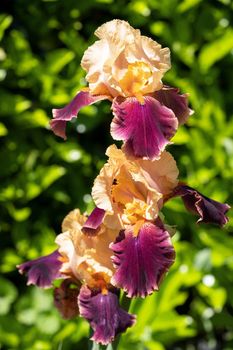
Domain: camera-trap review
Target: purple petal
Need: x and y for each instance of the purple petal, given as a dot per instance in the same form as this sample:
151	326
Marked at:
95	219
63	115
66	299
146	128
104	313
142	261
170	97
42	271
209	210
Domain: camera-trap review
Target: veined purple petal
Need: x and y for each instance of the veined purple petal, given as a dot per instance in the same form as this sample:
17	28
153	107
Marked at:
95	219
104	313
66	299
170	97
63	115
142	261
145	128
209	210
42	271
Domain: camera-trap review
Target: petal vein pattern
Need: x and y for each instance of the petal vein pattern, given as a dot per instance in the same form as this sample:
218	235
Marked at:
104	313
142	261
42	271
146	128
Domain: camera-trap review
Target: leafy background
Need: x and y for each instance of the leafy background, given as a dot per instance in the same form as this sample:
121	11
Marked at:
42	177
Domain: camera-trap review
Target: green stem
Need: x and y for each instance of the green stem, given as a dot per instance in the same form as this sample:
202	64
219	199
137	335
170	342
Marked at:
125	304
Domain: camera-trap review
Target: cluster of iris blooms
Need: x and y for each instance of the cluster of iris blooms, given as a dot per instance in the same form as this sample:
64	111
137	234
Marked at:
124	243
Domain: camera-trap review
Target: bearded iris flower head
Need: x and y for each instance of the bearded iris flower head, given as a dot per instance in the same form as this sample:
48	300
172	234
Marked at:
84	262
133	191
127	68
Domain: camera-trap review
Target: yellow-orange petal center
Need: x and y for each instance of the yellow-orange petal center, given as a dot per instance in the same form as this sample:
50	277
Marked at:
135	79
135	214
100	281
124	190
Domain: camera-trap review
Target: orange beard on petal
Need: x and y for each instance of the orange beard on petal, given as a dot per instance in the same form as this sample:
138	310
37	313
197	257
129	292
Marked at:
100	281
134	213
131	201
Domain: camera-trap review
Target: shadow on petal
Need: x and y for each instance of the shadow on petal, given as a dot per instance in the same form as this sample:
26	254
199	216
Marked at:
42	271
142	261
66	299
104	314
170	97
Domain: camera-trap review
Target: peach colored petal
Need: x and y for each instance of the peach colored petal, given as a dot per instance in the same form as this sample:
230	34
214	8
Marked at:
101	191
121	188
124	63
83	256
73	221
159	58
161	174
115	155
117	30
93	62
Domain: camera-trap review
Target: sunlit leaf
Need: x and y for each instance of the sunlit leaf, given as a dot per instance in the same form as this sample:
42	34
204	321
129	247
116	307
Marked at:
8	294
5	22
216	50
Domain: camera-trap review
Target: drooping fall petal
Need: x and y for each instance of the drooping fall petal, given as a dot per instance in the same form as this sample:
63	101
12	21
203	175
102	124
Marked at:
146	128
170	97
209	210
104	313
95	219
142	261
42	271
63	115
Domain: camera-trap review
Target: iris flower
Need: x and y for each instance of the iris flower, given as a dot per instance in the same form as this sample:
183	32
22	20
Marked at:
132	193
127	68
85	267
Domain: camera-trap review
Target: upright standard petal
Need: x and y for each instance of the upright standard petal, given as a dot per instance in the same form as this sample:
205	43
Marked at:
145	128
95	219
66	299
141	261
161	174
209	210
123	62
42	271
104	313
85	257
63	115
170	97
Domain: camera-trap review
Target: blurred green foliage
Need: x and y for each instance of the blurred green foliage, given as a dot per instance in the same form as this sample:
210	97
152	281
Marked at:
42	177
